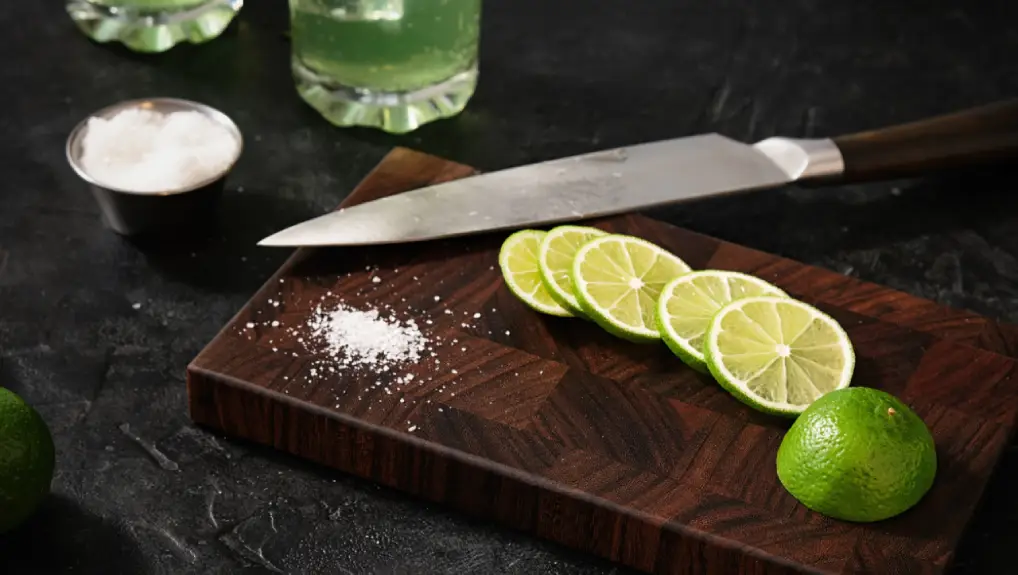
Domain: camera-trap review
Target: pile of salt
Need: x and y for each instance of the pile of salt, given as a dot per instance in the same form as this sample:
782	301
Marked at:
357	338
148	151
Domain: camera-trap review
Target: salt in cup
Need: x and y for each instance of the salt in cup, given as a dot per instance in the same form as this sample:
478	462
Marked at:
132	212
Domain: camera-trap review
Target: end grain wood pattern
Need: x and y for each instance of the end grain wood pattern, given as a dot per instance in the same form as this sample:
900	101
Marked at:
553	427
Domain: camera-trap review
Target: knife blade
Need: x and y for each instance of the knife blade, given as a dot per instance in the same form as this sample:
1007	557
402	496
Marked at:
660	173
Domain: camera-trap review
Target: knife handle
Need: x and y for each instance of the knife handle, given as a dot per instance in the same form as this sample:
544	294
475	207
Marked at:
958	140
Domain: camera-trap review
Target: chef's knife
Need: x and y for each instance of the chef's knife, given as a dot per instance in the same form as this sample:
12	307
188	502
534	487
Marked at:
660	173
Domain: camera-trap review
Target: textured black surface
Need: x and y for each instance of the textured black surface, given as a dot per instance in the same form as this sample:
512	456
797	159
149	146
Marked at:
140	490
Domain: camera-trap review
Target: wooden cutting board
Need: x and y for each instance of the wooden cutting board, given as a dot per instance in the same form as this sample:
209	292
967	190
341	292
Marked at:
553	427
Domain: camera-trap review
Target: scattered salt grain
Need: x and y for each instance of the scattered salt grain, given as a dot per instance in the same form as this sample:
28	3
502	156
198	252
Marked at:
376	280
138	306
250	325
148	151
477	315
438	298
275	323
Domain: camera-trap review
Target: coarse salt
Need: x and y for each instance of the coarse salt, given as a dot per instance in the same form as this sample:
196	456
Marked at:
365	338
148	151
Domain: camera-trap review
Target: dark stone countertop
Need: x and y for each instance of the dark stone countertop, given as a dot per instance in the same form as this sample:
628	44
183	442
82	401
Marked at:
558	78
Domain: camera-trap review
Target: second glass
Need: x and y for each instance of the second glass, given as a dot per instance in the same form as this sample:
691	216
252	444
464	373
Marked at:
389	64
153	25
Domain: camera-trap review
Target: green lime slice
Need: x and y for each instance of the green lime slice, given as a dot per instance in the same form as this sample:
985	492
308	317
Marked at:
617	280
518	260
555	259
776	354
689	302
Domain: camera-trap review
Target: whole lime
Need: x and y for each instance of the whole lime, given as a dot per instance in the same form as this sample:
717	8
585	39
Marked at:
858	454
27	458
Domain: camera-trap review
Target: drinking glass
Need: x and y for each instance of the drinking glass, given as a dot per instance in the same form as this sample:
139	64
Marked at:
388	64
153	25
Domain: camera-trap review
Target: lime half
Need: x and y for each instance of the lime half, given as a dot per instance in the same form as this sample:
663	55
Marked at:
777	354
688	303
617	280
555	259
27	458
518	260
858	454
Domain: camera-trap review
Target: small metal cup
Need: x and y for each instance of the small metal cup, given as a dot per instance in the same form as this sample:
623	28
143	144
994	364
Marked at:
130	212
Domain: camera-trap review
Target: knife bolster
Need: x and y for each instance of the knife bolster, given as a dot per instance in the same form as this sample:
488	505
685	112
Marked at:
803	159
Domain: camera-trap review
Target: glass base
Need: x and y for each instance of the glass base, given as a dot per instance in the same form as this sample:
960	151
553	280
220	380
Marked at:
153	30
394	112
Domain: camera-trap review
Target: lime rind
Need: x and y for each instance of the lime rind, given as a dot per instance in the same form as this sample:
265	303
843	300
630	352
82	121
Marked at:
820	355
617	280
518	261
689	302
555	260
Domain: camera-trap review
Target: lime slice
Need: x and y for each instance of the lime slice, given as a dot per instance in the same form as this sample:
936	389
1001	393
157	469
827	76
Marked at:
617	280
777	354
688	303
518	260
555	259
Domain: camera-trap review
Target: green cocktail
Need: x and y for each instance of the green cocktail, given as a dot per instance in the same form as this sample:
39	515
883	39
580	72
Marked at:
390	64
153	25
